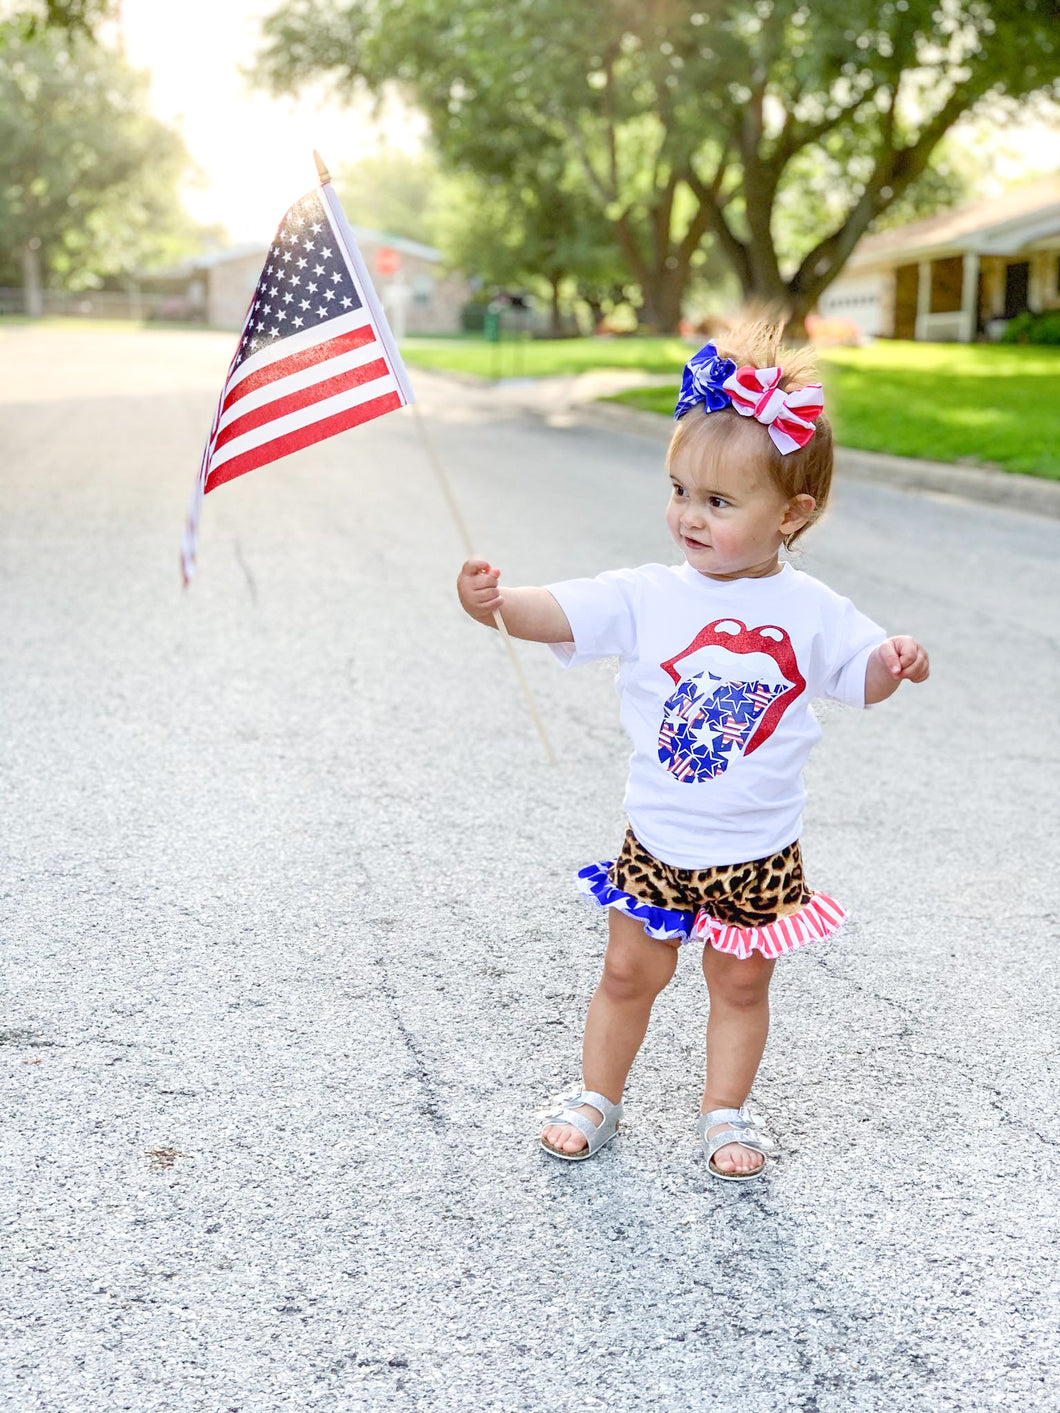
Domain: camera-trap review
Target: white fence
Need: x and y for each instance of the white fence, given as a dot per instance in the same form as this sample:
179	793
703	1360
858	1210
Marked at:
103	304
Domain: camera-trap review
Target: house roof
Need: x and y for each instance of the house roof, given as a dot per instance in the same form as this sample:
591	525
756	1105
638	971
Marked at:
1001	225
407	247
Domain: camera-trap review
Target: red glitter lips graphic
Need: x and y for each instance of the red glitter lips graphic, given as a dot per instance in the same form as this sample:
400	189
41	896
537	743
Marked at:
736	637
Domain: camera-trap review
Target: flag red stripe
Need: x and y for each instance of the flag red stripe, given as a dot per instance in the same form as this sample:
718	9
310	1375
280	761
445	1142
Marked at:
303	397
298	362
304	436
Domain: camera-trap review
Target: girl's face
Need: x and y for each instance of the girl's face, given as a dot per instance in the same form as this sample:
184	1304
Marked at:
728	516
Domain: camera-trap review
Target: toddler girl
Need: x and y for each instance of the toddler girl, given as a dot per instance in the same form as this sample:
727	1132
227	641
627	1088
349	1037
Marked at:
719	659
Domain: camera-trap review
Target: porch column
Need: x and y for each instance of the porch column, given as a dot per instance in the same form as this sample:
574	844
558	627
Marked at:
970	297
923	299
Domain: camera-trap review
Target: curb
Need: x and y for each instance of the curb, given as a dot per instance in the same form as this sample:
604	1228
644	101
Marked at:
1009	488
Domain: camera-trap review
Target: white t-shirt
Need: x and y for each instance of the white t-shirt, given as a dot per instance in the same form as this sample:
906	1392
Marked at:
716	679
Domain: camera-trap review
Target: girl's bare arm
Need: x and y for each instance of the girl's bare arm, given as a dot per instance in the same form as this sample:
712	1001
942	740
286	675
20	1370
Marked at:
528	613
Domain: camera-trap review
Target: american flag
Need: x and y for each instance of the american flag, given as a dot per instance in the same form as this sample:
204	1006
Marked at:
315	354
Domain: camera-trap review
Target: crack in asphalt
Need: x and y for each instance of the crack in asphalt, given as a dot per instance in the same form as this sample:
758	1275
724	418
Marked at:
430	1106
995	1097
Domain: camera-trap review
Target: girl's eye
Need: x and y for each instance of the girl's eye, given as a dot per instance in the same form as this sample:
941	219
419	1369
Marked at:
679	491
717	502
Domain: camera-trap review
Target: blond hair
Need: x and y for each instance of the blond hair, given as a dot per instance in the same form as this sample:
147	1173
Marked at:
807	471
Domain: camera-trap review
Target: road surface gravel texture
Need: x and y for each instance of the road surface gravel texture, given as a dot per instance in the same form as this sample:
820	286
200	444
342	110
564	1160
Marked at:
293	956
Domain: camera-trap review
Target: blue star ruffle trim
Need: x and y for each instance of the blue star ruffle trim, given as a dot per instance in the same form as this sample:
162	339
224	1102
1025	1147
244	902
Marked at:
595	884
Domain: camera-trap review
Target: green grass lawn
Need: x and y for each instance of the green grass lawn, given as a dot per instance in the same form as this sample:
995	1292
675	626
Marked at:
543	358
981	404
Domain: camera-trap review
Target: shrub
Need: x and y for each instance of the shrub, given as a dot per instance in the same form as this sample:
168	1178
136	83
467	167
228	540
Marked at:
473	316
1033	328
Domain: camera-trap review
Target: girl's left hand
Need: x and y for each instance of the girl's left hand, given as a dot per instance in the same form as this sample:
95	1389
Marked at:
903	659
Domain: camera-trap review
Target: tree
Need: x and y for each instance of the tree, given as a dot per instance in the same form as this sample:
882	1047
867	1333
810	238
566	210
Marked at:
88	177
531	231
814	197
540	228
68	16
690	118
393	192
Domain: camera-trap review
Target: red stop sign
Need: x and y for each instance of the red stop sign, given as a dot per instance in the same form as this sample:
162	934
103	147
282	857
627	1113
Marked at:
387	261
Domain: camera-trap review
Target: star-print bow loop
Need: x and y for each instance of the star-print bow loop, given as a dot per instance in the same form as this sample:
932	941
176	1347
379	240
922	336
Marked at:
789	416
703	380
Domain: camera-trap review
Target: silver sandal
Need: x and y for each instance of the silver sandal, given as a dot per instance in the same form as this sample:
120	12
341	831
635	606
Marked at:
741	1126
596	1135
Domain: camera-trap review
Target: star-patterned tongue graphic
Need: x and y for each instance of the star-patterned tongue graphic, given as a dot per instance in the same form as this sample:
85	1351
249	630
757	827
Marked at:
305	282
706	722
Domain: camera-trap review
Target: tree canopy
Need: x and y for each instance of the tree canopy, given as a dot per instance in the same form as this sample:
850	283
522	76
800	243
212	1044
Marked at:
393	192
539	233
88	177
691	119
69	16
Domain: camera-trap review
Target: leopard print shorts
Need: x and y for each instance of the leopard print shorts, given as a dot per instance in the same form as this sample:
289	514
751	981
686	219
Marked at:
738	895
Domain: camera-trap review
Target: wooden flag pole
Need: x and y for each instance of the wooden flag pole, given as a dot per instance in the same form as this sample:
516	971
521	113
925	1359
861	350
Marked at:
450	500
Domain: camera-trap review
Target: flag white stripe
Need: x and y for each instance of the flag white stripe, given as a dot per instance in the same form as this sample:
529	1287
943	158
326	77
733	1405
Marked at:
359	272
293	343
304	378
304	417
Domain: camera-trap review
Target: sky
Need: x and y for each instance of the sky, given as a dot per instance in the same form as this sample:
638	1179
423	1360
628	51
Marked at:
255	152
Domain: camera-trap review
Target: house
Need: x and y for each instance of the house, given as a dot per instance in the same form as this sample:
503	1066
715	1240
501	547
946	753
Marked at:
417	293
957	276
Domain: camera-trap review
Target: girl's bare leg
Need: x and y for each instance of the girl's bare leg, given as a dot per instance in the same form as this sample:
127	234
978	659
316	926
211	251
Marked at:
636	968
736	1037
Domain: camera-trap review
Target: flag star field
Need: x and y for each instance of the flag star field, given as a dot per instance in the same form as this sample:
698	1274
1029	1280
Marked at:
305	282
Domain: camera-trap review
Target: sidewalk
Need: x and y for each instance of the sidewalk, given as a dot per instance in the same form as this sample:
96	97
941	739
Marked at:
575	400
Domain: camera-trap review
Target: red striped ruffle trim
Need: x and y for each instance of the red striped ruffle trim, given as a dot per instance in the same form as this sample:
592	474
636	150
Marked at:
816	920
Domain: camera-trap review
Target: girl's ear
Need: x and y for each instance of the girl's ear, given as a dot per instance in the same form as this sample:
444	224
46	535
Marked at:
797	514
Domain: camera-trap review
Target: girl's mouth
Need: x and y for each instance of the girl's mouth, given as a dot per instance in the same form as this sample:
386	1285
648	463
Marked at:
694	544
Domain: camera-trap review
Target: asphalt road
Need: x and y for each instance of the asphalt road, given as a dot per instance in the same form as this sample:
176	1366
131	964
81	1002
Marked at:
292	952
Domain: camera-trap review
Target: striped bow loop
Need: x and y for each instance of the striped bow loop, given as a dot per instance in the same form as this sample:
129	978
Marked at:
789	416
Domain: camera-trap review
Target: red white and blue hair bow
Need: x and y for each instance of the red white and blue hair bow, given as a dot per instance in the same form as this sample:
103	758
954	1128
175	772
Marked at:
753	392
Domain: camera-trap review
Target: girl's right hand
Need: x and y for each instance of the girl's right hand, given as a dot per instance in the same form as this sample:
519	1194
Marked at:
477	586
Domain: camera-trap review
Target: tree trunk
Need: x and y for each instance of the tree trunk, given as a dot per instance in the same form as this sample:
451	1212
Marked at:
32	298
663	293
596	311
795	326
556	321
